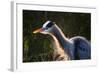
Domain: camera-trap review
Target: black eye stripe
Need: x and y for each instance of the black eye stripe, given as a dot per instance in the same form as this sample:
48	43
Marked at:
50	24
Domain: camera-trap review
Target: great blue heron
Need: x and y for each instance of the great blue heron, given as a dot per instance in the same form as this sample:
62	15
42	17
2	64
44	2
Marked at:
75	48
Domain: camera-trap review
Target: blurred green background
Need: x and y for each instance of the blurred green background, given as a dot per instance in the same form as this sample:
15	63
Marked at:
38	47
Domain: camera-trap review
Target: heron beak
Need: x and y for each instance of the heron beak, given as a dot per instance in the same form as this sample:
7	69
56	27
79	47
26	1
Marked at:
38	30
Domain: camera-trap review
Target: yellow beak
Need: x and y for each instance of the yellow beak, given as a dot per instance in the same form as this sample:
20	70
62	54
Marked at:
38	30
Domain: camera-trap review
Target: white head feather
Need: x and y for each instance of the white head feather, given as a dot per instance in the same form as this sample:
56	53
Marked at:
45	24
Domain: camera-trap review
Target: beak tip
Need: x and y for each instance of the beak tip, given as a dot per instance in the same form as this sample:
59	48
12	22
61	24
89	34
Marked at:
34	32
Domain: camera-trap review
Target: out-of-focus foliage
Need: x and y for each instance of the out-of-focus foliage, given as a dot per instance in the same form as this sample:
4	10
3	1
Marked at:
38	47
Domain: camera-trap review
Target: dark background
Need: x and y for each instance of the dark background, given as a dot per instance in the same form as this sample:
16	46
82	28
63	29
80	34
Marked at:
38	47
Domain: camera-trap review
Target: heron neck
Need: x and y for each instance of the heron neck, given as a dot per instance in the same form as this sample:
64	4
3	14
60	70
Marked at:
63	41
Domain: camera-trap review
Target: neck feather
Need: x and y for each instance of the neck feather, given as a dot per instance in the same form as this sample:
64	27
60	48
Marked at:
63	41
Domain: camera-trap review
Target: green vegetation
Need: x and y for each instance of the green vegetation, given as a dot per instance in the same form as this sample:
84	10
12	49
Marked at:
38	47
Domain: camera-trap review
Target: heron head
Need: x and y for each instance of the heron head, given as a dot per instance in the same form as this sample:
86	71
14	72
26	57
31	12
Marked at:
46	28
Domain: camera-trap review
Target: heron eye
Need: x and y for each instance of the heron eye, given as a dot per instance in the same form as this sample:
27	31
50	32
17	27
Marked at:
45	28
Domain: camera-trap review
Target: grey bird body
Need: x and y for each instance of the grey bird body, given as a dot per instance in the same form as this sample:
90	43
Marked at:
75	48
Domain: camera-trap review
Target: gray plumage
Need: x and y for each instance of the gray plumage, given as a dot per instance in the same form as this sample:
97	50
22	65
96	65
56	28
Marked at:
75	48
